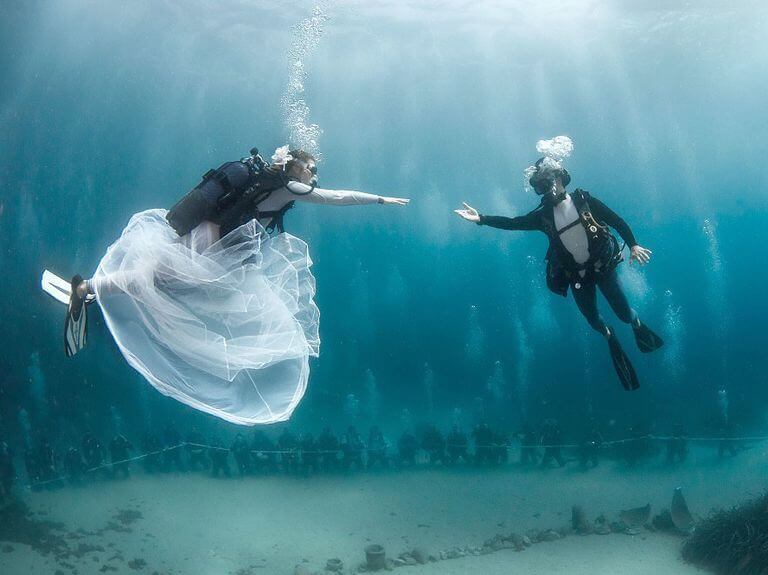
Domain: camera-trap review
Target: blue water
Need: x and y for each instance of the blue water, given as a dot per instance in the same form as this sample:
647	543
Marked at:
109	108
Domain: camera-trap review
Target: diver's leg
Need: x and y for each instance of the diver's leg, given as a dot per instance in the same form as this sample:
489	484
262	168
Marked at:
113	283
559	457
586	300
647	341
611	288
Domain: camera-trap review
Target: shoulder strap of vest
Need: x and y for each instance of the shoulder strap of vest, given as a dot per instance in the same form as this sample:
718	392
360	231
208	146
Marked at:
547	218
581	199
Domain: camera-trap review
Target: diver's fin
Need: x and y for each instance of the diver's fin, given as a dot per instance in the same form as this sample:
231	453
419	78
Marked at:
59	288
621	363
647	341
76	321
56	287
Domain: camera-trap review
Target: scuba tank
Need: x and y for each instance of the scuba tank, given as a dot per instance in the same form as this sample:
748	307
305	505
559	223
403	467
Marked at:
224	189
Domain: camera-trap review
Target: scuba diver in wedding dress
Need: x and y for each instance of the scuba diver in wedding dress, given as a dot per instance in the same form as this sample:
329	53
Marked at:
212	301
583	254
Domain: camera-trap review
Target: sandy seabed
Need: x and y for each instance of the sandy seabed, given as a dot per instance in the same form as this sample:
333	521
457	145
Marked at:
193	524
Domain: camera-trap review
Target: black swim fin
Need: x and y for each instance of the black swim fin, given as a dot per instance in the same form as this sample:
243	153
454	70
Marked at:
647	341
621	363
76	322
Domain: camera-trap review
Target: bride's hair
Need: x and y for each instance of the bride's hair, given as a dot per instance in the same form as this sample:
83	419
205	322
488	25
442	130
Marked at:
298	156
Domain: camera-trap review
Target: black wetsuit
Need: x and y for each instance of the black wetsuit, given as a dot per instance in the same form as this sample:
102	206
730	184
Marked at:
562	269
7	472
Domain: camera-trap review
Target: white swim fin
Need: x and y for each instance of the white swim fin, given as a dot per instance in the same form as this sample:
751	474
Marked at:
59	288
76	320
56	287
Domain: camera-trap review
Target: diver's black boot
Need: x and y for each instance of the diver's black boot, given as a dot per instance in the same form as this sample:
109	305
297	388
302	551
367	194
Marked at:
647	341
76	322
621	363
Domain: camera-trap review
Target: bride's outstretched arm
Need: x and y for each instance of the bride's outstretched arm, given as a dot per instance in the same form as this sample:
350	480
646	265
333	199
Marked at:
305	193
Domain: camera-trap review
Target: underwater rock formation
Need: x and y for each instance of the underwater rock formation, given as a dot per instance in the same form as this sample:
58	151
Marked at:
680	514
579	521
637	517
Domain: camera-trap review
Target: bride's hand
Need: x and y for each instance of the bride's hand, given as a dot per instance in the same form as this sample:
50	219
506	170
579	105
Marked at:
394	201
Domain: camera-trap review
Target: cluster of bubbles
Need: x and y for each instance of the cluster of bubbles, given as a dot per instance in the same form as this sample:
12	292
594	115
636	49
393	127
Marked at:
524	359
295	109
674	330
475	346
372	393
710	232
429	385
554	151
635	283
717	295
496	384
37	387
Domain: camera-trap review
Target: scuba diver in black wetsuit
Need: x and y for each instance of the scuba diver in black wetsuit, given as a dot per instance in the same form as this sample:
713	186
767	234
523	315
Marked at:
7	472
583	255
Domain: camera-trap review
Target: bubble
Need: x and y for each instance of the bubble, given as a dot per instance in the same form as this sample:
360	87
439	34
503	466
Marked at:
674	330
306	36
522	366
429	385
496	384
554	150
475	345
710	232
373	396
351	406
558	148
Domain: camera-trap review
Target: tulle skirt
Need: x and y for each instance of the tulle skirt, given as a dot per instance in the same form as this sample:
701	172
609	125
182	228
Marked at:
223	325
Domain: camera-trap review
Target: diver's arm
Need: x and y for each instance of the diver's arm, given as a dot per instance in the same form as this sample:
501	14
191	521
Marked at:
527	222
522	223
305	193
605	214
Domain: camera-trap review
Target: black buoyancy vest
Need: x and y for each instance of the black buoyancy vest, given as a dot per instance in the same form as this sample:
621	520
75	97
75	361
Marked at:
604	252
228	196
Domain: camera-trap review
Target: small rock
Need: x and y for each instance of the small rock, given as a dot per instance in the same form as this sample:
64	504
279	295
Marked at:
602	529
421	555
549	535
301	570
137	564
579	520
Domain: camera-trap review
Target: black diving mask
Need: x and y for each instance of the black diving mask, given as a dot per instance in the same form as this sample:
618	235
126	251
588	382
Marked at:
543	186
312	170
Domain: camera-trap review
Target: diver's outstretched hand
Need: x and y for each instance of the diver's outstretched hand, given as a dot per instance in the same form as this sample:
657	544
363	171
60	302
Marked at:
394	201
468	213
640	255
